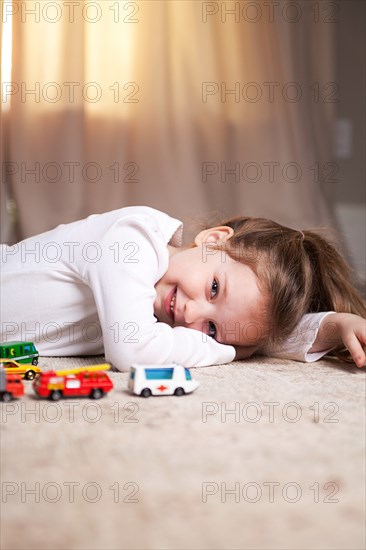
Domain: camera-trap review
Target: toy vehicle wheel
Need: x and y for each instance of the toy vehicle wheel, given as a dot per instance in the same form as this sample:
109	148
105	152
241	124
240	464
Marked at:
30	375
179	392
55	395
146	392
96	393
35	361
6	397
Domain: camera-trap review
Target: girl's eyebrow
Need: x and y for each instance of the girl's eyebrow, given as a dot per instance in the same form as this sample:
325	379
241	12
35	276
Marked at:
224	291
226	286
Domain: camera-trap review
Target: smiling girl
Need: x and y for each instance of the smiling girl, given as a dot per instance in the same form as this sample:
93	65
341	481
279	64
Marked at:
120	283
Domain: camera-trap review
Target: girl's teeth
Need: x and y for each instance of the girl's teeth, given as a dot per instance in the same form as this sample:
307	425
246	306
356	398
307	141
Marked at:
172	303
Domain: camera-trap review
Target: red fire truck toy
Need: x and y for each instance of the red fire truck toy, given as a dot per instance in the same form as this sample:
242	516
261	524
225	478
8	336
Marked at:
79	382
11	385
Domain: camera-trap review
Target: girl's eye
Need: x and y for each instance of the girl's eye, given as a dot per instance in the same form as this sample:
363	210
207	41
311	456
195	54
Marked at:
211	329
213	293
214	288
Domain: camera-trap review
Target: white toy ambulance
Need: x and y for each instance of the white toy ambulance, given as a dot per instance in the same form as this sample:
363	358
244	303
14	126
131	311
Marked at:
171	379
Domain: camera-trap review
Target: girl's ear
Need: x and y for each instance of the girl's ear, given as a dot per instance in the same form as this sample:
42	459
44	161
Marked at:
214	235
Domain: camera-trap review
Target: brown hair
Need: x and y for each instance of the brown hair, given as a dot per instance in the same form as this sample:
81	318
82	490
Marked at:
299	272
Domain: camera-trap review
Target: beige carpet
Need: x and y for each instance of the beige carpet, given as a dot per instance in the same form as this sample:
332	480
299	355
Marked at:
182	472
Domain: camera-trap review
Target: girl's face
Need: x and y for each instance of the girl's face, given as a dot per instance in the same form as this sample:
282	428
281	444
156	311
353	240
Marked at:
204	289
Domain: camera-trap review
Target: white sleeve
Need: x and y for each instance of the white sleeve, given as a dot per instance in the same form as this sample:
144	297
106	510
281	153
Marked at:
298	344
124	294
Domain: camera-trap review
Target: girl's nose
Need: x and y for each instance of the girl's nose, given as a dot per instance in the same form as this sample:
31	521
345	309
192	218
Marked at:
192	312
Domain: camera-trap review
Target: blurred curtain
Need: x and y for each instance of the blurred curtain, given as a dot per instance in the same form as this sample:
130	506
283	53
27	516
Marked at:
172	104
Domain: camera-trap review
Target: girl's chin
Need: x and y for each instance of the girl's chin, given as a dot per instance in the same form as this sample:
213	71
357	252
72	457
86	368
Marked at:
163	318
168	321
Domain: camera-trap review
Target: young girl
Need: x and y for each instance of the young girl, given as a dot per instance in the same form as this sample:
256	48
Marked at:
119	283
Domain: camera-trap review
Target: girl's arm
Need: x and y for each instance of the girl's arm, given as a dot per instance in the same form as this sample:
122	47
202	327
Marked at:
319	333
343	328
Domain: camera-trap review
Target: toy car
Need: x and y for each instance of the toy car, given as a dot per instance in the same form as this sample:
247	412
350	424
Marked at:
79	382
11	385
23	352
173	379
26	371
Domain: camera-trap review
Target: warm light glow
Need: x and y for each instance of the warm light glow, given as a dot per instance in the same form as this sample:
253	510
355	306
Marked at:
109	62
6	48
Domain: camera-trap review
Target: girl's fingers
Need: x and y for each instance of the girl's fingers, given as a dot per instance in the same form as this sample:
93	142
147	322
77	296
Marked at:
361	335
355	348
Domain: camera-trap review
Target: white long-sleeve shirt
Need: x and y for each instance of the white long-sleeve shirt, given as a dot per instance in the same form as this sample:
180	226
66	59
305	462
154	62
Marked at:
87	288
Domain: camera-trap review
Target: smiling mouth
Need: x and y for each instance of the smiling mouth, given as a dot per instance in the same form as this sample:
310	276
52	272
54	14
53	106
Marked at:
170	303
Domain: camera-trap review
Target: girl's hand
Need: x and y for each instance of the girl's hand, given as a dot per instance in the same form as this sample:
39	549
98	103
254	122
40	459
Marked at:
352	329
344	328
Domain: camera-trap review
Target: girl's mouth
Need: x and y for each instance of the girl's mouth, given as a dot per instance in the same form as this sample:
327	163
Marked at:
169	303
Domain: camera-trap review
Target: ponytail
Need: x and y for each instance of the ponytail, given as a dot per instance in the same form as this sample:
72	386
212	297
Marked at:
333	288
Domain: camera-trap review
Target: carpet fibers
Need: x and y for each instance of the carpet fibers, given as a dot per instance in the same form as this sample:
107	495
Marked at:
266	454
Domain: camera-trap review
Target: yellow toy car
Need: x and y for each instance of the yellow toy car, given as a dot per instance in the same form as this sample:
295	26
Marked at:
26	371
